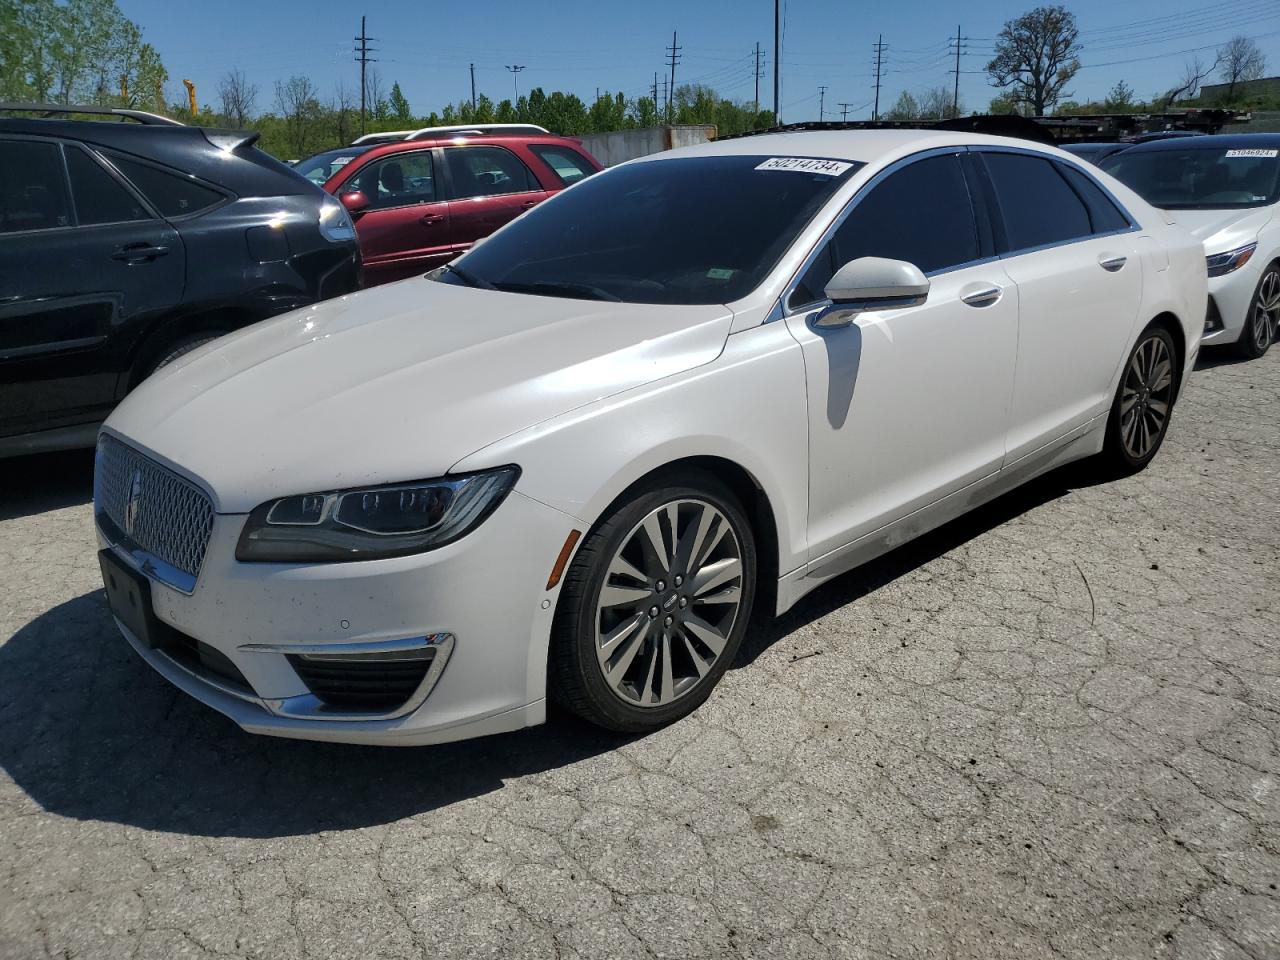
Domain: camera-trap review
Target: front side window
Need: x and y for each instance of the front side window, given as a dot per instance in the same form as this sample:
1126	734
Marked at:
1037	206
921	214
567	164
99	197
692	230
173	194
487	172
400	180
33	189
1201	178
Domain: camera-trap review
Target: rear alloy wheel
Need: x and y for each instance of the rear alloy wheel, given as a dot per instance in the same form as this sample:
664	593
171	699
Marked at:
1262	325
655	608
1140	414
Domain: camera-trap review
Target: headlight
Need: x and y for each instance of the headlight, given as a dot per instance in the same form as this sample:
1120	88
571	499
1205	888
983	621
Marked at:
372	522
335	222
1223	263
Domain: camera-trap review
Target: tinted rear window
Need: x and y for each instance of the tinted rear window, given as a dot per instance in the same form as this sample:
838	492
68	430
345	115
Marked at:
567	164
33	192
681	231
1201	178
1036	204
173	194
100	198
322	166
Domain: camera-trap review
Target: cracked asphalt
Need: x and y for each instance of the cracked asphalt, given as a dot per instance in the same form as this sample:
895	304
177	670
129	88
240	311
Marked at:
1050	729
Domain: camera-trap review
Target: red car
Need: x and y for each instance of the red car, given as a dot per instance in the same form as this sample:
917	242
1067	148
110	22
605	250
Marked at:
420	200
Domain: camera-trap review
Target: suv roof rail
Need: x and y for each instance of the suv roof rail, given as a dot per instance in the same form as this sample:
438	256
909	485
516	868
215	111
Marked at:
52	109
462	129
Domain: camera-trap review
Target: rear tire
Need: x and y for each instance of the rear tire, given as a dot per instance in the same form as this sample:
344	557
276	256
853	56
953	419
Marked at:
1143	405
655	605
1263	317
179	348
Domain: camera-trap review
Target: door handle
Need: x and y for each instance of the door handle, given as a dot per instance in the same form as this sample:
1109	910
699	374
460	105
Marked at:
982	295
431	218
137	252
1112	262
529	203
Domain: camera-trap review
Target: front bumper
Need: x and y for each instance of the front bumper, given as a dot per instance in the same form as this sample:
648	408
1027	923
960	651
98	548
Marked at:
480	603
1232	295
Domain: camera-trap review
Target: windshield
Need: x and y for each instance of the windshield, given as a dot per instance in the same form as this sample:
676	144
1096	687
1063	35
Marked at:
694	230
1196	178
322	166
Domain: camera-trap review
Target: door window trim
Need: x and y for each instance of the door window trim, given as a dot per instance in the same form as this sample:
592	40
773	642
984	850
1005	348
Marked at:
997	216
783	309
437	168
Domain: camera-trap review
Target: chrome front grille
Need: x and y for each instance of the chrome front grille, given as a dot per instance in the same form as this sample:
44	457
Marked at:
150	508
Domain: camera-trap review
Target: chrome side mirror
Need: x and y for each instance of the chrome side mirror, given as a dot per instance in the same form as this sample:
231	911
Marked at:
871	283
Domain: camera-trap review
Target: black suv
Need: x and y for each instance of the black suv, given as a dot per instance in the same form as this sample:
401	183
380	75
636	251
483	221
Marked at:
125	242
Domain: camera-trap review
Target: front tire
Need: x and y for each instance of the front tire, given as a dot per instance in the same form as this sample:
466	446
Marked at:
1143	404
655	605
1263	319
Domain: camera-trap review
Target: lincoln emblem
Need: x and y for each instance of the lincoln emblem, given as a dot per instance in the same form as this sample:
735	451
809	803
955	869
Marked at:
133	502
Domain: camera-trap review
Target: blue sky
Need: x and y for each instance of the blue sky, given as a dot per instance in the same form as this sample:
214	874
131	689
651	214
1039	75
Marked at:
578	45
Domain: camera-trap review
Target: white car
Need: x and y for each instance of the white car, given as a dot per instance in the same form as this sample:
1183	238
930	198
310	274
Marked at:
1226	191
570	465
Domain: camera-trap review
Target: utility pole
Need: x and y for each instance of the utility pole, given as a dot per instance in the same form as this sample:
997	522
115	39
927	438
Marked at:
473	86
844	112
777	59
515	69
822	102
955	100
363	58
879	49
673	55
655	92
759	74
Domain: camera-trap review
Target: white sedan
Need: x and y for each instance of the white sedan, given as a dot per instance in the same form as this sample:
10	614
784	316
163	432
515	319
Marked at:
1226	191
570	465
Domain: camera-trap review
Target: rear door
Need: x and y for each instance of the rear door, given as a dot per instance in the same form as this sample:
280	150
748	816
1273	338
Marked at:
489	187
1067	246
84	262
405	230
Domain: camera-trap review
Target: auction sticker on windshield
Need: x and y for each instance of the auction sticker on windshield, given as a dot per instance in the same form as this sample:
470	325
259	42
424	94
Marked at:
831	168
1253	152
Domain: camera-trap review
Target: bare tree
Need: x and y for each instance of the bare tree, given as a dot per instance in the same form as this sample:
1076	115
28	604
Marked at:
376	94
1242	60
343	109
1193	74
298	107
937	103
238	97
1036	57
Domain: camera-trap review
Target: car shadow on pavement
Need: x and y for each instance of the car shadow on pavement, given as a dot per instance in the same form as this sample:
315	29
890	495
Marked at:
90	732
46	481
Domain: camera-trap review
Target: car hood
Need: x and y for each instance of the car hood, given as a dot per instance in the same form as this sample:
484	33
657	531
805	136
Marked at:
397	383
1223	230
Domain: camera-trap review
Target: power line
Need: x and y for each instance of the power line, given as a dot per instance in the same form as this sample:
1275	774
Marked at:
363	58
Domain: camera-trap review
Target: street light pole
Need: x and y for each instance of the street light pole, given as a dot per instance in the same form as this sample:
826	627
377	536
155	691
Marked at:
515	70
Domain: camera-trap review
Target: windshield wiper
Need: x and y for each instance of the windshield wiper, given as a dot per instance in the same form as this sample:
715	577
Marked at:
561	288
470	279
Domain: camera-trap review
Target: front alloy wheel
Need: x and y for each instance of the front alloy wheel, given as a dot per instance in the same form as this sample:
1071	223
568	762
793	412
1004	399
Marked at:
1262	325
655	606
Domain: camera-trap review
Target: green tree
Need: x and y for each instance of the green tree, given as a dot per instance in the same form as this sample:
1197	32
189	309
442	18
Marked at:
1119	98
399	106
906	107
1036	56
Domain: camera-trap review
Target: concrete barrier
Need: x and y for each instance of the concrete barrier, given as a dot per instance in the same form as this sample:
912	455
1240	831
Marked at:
619	146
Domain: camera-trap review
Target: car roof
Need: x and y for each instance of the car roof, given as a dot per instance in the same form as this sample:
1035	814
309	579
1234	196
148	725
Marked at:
861	146
497	139
1229	141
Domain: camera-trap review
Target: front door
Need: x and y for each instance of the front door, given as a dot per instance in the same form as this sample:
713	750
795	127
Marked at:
405	230
906	405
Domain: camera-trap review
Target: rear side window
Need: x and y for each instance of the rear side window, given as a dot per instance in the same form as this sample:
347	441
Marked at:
921	214
172	193
1102	211
567	164
33	189
1037	206
487	172
99	196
